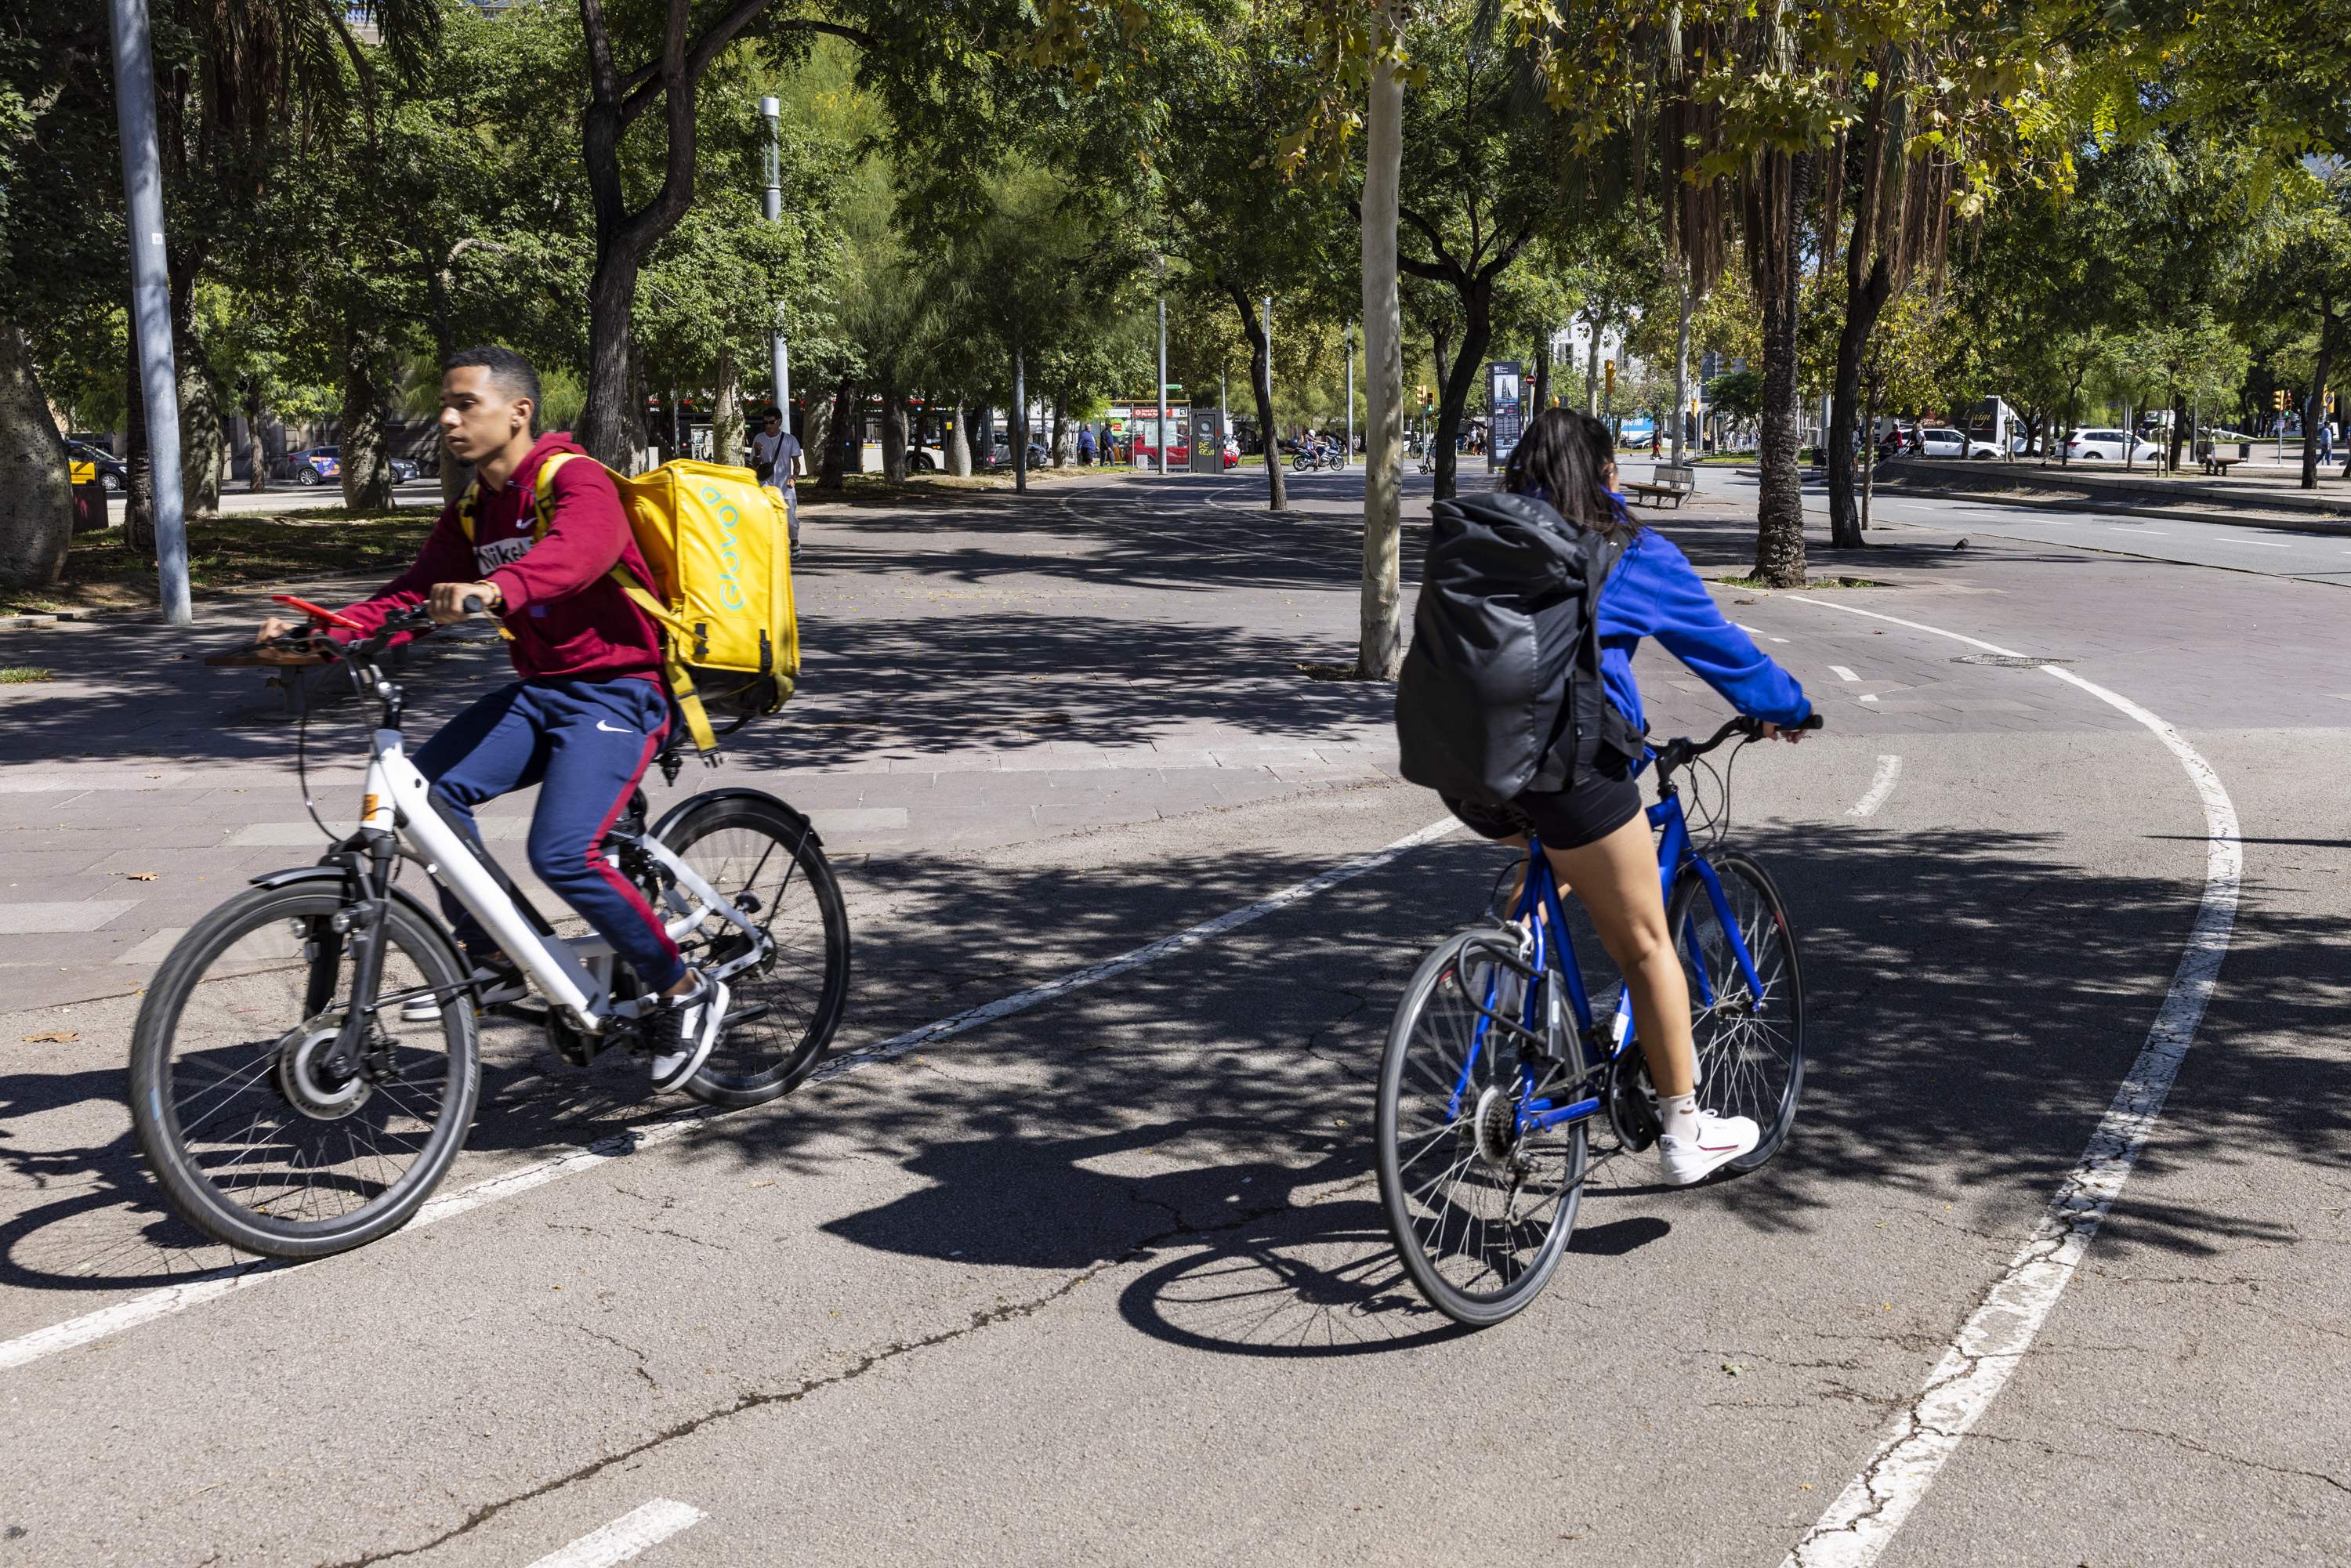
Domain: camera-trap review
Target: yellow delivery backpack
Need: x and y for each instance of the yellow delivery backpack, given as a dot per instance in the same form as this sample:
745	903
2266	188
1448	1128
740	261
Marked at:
722	588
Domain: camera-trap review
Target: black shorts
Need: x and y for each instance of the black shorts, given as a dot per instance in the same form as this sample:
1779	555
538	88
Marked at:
1594	806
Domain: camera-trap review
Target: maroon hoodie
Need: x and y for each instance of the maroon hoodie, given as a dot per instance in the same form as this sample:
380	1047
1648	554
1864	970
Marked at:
568	617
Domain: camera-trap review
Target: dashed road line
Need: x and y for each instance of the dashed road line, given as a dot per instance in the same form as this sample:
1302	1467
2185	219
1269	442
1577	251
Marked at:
1841	672
626	1536
1889	773
1991	1343
106	1321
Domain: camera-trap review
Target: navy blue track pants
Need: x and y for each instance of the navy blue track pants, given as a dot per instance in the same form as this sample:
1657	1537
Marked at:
585	744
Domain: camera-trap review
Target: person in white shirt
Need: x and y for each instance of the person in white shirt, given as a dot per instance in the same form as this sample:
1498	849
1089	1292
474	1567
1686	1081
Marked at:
775	457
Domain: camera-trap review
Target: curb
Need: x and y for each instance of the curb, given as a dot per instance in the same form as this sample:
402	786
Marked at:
43	618
2333	527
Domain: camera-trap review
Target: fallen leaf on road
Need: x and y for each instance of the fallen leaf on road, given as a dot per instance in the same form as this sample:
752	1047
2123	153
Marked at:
54	1037
139	876
1733	1367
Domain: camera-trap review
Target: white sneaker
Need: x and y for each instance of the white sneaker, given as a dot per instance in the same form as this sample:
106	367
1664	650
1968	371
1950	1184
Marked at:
1720	1141
682	1031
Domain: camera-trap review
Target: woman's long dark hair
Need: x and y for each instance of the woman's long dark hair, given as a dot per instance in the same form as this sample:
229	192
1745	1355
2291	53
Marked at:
1561	460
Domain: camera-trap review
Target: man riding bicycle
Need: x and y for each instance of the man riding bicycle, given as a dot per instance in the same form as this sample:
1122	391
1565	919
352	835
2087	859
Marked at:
590	712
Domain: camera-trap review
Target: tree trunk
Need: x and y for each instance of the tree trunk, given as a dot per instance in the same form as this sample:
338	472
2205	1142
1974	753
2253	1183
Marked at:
610	427
893	437
726	414
1453	393
1681	356
138	485
1775	220
1868	449
36	507
1861	312
2313	407
1276	497
815	433
203	443
1541	362
839	436
256	477
1019	442
1592	366
1380	653
1061	441
958	443
367	473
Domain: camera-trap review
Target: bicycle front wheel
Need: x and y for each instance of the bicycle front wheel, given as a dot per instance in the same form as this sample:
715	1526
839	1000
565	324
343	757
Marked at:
1750	1045
255	1142
1479	1206
764	858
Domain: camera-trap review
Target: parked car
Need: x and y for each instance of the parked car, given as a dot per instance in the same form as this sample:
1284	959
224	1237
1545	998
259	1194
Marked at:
315	467
1941	441
2111	446
106	468
1232	453
1002	457
404	469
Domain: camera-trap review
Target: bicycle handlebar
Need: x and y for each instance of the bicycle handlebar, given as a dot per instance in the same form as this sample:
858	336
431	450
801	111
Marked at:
1681	753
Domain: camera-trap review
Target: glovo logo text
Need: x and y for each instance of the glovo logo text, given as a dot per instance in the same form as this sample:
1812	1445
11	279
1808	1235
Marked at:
730	558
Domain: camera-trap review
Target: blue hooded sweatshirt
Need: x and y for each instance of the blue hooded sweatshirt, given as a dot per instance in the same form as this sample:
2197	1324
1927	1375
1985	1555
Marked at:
1656	593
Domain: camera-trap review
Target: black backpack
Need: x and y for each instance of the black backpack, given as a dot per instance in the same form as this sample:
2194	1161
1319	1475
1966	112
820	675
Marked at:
1500	690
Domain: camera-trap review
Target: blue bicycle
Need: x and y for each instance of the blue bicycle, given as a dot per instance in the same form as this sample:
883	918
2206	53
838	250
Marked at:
1498	1066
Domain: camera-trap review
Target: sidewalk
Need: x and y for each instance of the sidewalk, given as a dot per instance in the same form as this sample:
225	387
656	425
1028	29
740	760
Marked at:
2268	494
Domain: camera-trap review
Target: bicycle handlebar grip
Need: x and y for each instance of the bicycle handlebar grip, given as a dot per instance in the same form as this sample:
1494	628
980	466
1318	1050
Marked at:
1814	721
473	604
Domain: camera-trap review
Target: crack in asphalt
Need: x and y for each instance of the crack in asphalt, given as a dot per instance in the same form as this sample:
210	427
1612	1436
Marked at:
978	1321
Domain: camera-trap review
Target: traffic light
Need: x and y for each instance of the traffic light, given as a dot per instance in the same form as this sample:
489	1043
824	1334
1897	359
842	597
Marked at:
1608	368
2277	400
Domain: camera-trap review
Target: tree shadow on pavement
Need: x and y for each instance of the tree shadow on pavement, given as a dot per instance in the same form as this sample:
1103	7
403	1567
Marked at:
1974	1001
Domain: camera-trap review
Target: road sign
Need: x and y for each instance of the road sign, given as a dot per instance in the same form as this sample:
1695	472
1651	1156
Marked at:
1506	411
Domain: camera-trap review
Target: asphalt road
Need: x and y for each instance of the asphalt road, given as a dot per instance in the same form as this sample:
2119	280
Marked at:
1103	1279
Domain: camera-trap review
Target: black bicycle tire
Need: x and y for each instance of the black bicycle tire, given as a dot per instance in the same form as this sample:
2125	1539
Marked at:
808	852
1471	1311
1687	891
155	1123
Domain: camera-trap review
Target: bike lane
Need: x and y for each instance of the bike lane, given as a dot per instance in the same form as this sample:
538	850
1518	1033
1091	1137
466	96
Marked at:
997	1376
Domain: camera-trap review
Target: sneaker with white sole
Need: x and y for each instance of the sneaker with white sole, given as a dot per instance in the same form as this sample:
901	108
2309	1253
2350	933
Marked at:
681	1031
1720	1141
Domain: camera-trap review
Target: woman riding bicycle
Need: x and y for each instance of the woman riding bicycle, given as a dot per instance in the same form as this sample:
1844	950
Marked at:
1593	829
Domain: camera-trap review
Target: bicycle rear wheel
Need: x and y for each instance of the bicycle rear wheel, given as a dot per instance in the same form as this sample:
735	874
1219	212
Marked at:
253	1140
761	854
1750	1048
1479	1210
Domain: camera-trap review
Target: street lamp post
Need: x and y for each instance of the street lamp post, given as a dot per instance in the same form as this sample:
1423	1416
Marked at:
1163	385
780	356
150	299
1350	335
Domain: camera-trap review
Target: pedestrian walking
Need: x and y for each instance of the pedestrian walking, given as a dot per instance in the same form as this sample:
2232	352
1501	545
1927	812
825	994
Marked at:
1085	447
2326	441
775	458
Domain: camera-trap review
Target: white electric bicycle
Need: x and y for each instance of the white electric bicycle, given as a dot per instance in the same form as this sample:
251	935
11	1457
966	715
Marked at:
304	1066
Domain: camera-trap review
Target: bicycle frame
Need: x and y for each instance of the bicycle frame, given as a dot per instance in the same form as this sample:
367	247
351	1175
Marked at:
397	801
1549	952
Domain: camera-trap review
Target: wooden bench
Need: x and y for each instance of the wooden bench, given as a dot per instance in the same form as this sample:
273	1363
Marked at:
1670	483
2216	463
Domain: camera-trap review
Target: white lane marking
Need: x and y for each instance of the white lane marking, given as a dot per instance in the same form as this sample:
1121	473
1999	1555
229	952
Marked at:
1866	1516
2147	533
1869	697
1841	672
202	1288
626	1536
1889	773
2265	544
